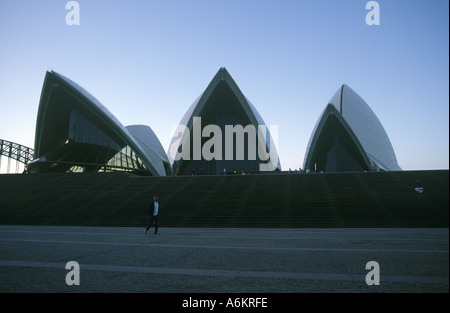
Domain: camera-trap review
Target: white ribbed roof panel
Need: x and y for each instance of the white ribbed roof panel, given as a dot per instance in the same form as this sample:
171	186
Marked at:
151	146
367	127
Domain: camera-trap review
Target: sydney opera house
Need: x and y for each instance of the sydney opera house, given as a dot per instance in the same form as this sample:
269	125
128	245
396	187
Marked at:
76	133
349	137
224	108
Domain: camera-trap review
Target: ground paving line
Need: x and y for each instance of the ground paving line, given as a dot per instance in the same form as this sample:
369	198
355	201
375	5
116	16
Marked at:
226	273
230	233
156	245
184	235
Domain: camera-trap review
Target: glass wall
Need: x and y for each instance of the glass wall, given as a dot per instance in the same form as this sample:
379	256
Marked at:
126	159
81	130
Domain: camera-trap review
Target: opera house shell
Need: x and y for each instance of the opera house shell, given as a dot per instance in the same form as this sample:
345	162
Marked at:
76	133
223	105
349	137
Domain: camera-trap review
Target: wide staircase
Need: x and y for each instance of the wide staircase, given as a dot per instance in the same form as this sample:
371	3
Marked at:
384	199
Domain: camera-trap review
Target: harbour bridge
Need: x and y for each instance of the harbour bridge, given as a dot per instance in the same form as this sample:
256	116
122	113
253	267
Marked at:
20	154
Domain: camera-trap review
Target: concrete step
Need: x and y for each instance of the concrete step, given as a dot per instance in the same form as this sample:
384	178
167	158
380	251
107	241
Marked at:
385	199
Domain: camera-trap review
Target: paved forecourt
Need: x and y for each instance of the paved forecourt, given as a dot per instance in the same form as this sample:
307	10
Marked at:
223	260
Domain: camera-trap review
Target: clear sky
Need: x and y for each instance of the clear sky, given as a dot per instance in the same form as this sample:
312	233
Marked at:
148	60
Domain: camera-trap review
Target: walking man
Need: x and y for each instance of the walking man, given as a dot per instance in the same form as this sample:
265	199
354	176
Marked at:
153	214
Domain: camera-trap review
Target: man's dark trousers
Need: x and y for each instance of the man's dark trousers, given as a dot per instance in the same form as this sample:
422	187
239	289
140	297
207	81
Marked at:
153	219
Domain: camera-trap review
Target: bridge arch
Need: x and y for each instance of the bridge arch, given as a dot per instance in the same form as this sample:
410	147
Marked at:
15	152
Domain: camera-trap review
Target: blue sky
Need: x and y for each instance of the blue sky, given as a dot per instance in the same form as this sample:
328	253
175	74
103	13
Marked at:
147	61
